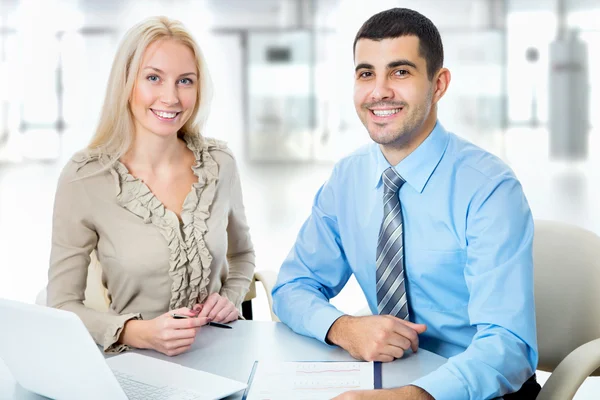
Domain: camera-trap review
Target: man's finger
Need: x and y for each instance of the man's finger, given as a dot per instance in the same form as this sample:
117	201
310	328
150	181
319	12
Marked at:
419	328
401	328
400	341
384	358
393	351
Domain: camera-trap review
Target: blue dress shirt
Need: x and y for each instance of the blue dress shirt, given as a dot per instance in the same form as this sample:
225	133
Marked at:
468	235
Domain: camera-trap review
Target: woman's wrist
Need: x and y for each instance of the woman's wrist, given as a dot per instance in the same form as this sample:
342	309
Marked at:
133	334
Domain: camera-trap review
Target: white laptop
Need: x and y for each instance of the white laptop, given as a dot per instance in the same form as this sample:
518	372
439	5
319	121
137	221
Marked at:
50	352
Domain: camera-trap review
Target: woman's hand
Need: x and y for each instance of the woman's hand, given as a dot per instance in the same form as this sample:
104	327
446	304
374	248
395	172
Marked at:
217	308
164	333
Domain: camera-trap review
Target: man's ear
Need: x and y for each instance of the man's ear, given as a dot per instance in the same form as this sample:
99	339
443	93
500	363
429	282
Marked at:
441	81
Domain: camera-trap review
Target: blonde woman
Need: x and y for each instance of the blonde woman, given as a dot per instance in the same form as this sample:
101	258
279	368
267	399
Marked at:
160	204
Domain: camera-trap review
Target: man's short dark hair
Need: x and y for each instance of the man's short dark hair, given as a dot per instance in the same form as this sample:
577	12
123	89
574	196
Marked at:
397	22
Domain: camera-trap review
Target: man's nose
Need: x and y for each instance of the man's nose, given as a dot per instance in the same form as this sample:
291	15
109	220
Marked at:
382	90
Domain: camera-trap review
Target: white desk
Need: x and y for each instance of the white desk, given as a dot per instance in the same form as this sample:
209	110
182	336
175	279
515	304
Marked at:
232	352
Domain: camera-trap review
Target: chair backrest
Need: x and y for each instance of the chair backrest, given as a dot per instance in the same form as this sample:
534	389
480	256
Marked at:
96	294
567	289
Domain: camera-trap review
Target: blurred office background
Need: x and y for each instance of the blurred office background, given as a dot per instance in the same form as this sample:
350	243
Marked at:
283	72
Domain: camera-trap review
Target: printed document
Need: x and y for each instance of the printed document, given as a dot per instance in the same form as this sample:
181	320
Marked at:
307	380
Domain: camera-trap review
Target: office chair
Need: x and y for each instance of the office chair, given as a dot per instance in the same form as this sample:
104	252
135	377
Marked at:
567	296
567	304
96	295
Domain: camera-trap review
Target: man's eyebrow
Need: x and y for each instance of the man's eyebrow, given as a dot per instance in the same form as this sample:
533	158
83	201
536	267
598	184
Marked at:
401	63
363	66
391	65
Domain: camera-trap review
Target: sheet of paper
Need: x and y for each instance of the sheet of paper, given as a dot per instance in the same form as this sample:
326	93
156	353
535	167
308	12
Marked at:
308	380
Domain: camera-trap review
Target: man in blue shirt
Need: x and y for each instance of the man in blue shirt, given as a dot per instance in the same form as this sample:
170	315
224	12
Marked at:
437	232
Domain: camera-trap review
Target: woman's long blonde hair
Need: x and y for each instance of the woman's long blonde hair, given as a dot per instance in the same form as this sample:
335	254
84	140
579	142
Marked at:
114	134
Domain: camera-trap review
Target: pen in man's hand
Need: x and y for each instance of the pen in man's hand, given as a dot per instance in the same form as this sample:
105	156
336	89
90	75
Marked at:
215	324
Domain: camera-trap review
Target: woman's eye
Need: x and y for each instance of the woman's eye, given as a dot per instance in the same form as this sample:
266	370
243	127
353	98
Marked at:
152	78
186	81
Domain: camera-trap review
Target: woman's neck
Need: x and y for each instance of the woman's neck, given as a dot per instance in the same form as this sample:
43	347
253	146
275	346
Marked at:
152	152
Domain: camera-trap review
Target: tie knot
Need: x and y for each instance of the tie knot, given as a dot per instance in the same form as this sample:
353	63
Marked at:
392	180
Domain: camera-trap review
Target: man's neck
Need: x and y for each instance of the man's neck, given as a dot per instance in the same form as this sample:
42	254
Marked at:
395	153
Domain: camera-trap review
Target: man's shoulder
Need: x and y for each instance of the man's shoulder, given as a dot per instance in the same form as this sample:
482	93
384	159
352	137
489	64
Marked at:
358	160
477	163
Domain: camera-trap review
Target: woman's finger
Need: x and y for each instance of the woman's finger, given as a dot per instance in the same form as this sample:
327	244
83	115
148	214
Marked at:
175	344
209	304
224	313
220	306
177	351
233	315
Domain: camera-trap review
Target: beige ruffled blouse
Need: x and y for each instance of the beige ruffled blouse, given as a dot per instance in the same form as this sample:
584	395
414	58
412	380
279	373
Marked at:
152	262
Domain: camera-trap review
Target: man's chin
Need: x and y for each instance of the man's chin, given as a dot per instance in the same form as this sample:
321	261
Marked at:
384	139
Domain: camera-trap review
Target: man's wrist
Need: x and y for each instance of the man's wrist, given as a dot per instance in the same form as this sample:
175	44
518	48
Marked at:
418	393
335	335
404	392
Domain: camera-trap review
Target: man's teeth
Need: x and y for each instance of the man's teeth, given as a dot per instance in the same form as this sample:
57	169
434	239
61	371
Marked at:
385	113
165	114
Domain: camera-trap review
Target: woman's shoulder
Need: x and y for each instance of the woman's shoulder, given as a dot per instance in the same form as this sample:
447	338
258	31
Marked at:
83	164
217	149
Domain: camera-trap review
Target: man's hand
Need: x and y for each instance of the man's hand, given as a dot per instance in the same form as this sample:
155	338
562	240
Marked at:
375	337
404	393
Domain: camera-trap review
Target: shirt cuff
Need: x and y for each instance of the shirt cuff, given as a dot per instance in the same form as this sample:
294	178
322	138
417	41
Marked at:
321	320
112	334
442	384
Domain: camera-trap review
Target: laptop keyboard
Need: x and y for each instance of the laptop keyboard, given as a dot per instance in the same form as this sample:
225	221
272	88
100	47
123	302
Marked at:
138	390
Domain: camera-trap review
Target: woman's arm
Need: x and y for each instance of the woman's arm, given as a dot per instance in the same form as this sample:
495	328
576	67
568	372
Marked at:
240	251
73	239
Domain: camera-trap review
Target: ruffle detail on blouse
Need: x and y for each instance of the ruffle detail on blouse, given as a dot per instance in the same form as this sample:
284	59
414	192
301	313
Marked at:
190	259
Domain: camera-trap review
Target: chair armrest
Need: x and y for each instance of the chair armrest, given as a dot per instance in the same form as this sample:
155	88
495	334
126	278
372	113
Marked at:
268	279
568	376
40	299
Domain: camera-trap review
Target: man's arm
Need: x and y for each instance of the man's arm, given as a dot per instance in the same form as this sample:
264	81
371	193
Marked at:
499	276
315	270
403	393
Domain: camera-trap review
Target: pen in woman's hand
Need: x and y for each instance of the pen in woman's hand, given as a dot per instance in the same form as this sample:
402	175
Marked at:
215	324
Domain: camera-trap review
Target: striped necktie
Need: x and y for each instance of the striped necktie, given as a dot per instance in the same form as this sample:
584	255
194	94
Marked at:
391	290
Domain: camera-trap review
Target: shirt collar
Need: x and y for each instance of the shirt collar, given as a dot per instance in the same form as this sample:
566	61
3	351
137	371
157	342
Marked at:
417	167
